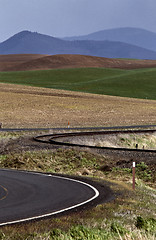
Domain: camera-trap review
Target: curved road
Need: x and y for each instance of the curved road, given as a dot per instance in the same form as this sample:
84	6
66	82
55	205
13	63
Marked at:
53	139
26	196
78	128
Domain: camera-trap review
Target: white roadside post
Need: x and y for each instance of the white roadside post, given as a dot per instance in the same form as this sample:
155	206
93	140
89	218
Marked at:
133	175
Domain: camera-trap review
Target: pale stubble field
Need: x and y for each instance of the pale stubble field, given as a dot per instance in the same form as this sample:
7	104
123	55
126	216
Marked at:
24	106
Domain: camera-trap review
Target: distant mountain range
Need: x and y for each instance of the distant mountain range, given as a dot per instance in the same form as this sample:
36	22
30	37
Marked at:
134	36
27	42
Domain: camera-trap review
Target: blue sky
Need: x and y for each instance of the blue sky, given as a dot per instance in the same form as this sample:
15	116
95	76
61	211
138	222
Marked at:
60	18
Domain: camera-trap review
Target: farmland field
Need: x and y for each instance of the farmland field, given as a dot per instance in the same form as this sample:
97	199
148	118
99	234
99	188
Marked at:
26	106
140	83
42	99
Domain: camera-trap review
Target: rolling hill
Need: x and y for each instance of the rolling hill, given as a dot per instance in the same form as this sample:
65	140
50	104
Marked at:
27	42
28	62
139	83
28	107
134	36
10	61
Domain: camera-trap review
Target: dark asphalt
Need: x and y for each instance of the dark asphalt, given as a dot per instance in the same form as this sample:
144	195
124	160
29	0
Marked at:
27	196
77	128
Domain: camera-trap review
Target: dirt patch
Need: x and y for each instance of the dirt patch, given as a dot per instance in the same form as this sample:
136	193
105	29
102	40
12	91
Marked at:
27	62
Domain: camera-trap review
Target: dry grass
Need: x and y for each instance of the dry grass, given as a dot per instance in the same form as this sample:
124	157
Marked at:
23	106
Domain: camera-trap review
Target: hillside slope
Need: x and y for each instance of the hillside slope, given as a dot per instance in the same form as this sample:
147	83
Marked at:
41	107
27	62
12	60
116	82
27	42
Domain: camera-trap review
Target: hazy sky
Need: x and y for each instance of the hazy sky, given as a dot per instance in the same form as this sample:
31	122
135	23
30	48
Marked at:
60	18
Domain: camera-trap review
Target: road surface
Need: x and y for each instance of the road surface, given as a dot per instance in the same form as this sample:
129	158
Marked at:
26	196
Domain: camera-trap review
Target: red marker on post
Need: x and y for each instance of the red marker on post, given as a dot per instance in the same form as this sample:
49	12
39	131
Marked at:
133	175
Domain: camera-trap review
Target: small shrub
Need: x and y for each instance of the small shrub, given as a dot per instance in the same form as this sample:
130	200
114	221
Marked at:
148	224
55	233
142	166
143	172
117	228
2	235
79	232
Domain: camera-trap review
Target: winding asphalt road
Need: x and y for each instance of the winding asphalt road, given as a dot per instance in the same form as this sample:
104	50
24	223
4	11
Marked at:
26	196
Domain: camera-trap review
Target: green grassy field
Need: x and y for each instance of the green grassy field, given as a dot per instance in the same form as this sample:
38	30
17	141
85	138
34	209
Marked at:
140	83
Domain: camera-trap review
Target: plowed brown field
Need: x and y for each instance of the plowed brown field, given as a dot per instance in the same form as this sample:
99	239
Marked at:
26	62
13	60
22	106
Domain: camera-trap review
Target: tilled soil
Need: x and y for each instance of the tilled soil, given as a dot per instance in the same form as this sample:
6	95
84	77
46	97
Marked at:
28	107
27	62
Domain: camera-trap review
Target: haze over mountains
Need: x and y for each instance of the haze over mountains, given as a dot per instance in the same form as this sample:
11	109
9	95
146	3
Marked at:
134	36
95	44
